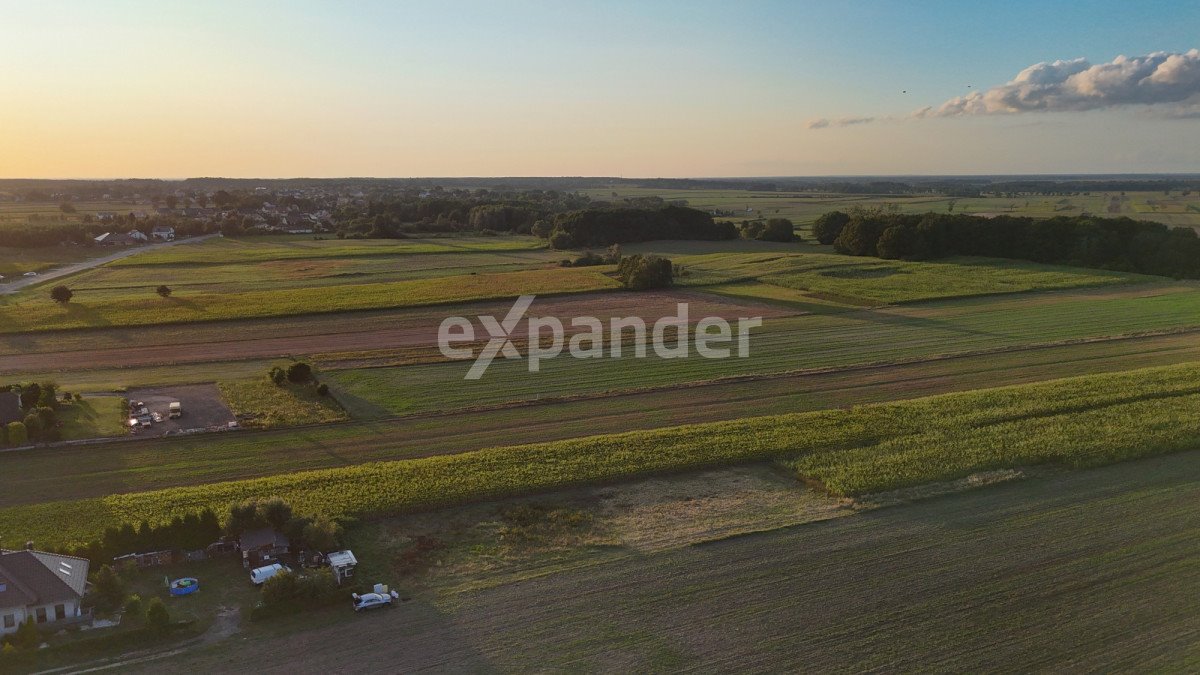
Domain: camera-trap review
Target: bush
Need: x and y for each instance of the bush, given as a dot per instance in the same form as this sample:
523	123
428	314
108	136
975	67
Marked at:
322	389
288	591
27	638
61	294
278	375
775	229
17	433
299	372
135	609
643	272
158	619
164	291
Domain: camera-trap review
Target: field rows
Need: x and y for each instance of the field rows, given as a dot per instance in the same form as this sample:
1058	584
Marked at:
863	449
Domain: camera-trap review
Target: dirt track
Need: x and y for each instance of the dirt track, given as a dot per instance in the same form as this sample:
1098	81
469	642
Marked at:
265	338
1091	570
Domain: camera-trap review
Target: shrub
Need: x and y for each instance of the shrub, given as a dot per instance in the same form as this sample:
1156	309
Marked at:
27	637
278	375
164	291
158	619
322	389
17	433
61	294
561	240
299	372
135	609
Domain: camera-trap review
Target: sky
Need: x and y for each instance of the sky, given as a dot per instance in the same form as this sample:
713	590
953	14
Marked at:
247	88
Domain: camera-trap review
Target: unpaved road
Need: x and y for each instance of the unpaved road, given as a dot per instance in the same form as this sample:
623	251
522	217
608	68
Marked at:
19	283
1093	570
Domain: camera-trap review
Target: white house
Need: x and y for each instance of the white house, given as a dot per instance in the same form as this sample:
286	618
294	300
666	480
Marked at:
163	232
342	563
45	586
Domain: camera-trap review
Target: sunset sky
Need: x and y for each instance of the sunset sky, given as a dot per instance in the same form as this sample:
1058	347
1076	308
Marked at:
171	89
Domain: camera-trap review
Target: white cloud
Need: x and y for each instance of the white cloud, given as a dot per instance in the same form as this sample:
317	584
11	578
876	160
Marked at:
824	122
1076	85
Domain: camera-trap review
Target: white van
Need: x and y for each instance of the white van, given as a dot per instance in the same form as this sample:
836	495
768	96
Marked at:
175	410
259	575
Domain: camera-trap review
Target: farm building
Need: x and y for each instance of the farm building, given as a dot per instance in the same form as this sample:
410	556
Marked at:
163	232
45	586
342	563
262	547
10	407
115	239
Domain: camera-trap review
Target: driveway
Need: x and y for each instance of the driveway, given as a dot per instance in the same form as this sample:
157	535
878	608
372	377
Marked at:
67	270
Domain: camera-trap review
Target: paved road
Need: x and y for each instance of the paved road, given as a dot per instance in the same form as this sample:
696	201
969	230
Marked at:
22	282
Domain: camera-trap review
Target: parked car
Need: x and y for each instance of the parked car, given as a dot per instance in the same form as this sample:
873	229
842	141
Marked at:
259	575
374	600
29	274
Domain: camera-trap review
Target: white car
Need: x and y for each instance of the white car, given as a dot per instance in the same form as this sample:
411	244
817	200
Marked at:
30	274
259	575
373	600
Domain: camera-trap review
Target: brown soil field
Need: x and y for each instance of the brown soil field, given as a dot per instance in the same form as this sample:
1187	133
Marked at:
1085	571
360	331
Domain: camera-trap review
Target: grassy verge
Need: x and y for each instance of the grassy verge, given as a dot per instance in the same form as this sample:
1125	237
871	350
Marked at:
263	404
1078	422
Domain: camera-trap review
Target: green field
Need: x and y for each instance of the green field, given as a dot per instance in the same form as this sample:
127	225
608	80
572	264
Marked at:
871	281
1083	421
32	313
17	261
93	417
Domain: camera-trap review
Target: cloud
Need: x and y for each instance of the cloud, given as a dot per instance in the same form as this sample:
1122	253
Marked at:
1076	85
824	122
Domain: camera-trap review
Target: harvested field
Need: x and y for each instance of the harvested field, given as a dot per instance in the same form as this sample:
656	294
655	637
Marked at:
265	338
1092	570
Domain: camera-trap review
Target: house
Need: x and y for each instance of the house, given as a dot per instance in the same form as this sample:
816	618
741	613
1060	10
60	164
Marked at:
342	563
262	547
138	236
115	239
45	586
163	232
10	407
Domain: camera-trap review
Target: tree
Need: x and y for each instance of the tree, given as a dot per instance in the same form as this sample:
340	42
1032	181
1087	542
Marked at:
322	389
642	272
108	589
322	534
61	294
278	375
66	207
778	229
299	372
827	227
164	291
158	619
275	511
33	425
17	434
561	240
171	201
30	395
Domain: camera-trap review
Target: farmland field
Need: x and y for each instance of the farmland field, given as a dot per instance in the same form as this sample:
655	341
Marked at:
1099	572
1086	421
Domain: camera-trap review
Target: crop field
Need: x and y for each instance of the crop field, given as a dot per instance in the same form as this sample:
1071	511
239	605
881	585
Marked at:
804	208
224	250
149	465
1098	573
1086	421
29	313
872	281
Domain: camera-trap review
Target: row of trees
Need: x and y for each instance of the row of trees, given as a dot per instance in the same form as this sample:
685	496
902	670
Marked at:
604	227
1120	244
39	404
772	229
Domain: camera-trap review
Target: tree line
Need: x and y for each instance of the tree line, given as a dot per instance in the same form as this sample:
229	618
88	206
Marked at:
608	226
1120	244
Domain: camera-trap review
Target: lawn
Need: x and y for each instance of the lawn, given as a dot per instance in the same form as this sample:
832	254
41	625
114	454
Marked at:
260	403
1077	422
93	417
35	313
